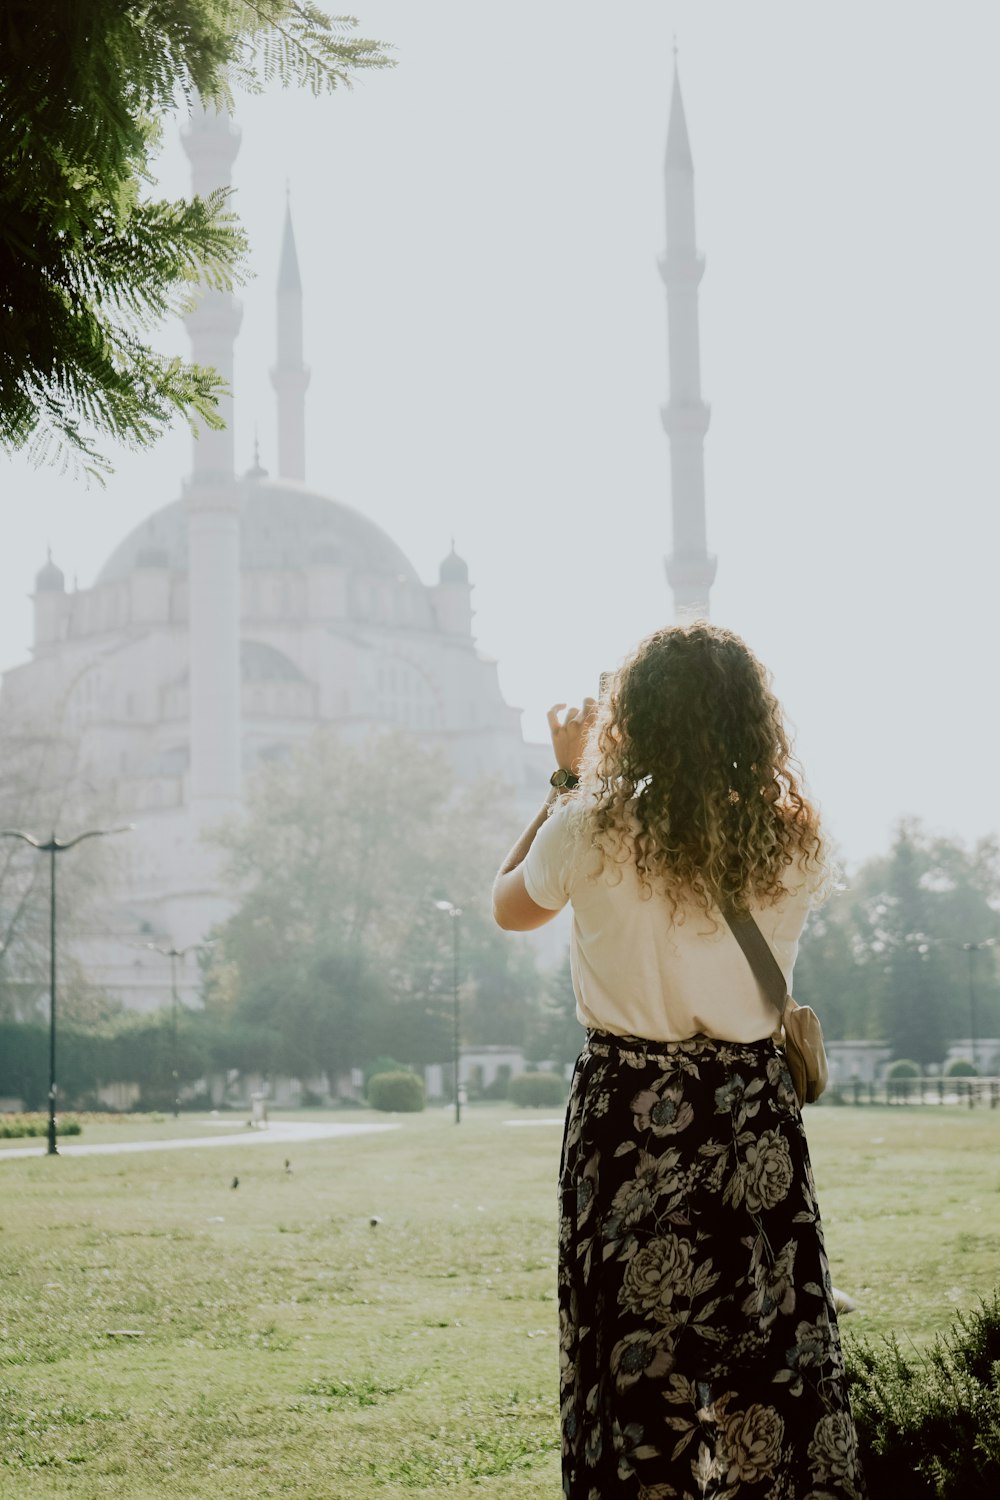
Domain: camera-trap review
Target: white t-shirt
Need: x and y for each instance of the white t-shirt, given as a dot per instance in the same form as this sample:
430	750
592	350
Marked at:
638	969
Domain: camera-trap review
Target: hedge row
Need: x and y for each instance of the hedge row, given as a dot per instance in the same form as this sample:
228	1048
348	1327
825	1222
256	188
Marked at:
16	1127
537	1090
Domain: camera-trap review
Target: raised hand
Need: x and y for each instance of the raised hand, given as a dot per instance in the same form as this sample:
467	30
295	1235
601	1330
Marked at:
569	734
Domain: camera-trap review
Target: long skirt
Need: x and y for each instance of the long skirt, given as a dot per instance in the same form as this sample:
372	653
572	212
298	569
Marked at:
699	1351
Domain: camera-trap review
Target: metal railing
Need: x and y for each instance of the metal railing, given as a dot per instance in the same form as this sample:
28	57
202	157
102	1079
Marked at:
927	1089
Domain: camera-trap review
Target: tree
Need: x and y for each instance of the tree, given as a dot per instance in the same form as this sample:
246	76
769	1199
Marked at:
901	921
88	266
335	945
558	1035
41	791
884	959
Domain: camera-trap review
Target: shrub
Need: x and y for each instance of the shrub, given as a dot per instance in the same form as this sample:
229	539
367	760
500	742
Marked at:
381	1065
960	1067
902	1076
399	1093
929	1424
536	1090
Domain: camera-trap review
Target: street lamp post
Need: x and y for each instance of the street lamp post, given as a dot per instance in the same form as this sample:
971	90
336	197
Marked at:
174	954
972	949
454	912
53	846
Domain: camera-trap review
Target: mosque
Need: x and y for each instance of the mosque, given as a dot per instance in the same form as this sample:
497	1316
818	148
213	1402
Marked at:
253	610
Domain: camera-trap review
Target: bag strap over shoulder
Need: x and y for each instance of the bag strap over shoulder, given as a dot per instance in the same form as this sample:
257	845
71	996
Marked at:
762	961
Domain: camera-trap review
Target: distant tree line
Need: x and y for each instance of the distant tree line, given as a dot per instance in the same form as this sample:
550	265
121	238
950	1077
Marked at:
887	958
336	953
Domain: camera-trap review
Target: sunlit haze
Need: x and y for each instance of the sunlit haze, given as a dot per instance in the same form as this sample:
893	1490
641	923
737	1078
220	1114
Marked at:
478	232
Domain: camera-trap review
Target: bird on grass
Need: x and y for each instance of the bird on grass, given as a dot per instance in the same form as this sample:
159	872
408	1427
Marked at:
288	1167
374	1221
235	1182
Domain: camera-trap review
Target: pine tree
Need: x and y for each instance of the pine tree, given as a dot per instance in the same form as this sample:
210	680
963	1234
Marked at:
885	959
911	986
89	267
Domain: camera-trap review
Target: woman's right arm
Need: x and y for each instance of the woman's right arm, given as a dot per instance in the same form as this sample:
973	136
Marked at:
513	909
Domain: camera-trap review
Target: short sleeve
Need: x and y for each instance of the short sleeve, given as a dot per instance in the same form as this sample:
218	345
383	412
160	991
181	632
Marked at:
548	866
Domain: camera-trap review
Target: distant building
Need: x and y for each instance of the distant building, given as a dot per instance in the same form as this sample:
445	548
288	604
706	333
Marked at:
983	1053
858	1062
233	622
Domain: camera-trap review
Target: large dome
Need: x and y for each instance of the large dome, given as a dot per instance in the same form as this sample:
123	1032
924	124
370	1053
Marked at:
282	525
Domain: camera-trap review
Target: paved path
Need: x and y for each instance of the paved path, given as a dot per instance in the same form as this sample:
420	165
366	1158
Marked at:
279	1133
522	1123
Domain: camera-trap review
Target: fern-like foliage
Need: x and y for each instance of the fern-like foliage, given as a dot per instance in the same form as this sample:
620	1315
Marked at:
88	265
929	1424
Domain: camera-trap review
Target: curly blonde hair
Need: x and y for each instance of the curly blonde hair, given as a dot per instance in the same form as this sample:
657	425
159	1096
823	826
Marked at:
688	771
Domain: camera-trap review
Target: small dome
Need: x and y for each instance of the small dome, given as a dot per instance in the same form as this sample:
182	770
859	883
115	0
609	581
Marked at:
454	569
50	579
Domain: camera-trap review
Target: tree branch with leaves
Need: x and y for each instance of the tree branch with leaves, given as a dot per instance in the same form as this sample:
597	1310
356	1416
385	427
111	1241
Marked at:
89	266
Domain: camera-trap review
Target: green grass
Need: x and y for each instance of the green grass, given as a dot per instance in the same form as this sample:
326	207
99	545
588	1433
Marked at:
287	1348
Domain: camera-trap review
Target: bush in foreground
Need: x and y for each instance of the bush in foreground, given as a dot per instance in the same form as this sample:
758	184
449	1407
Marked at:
397	1093
536	1090
929	1424
960	1067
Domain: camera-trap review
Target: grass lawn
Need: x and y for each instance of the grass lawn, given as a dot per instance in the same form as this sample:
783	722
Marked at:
284	1347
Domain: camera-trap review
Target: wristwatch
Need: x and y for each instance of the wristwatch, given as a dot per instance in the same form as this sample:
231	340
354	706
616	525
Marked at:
563	780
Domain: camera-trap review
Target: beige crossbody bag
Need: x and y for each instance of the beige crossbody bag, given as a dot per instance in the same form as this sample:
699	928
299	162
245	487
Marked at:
803	1035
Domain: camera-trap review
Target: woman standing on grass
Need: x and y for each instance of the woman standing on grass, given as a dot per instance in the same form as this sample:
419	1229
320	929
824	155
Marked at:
700	1355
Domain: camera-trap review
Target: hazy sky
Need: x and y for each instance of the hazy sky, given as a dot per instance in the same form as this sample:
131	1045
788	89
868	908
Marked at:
478	232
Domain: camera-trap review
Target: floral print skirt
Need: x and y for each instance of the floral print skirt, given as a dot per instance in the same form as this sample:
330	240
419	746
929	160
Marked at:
699	1352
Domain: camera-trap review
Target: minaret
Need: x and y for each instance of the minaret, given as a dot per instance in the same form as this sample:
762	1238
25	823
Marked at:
690	569
211	142
290	376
